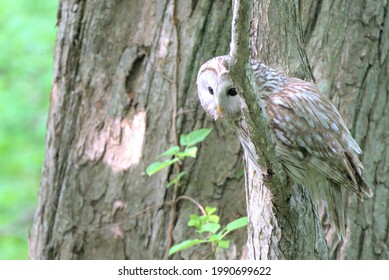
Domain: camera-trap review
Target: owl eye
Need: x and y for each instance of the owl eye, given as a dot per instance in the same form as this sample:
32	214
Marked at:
232	92
210	90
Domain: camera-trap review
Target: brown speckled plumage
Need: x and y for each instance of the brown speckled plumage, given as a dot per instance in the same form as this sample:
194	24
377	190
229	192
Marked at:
314	145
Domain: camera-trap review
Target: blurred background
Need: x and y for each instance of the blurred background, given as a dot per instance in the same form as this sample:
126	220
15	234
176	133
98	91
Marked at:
27	38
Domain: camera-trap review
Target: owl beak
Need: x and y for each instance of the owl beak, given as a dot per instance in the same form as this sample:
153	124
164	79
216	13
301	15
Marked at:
219	112
219	109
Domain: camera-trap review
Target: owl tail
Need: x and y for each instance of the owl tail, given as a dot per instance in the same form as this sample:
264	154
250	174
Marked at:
357	184
335	208
364	191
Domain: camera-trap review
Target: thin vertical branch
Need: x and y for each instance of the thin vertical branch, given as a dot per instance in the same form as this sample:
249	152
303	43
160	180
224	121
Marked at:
241	73
275	208
240	39
177	167
175	77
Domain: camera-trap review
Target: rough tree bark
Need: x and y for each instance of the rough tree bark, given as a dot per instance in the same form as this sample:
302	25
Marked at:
347	43
111	112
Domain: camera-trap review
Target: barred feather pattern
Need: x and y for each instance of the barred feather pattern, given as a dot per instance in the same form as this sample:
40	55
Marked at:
312	141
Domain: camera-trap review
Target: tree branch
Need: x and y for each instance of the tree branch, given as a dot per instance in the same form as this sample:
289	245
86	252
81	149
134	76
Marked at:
239	47
241	73
281	217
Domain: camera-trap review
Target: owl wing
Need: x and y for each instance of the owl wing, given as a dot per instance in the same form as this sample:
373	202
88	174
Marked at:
307	126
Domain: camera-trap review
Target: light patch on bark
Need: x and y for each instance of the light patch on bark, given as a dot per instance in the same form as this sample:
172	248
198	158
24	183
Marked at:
165	39
164	44
120	155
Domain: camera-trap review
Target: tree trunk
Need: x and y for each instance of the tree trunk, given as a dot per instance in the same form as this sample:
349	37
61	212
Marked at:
347	43
113	111
111	114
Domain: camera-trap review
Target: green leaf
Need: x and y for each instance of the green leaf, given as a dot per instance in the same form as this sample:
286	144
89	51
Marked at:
194	137
225	244
194	221
214	219
204	219
210	227
215	237
158	165
176	180
170	152
189	152
238	223
183	245
210	210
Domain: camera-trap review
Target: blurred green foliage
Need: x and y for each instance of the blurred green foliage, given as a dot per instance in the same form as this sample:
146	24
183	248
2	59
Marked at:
27	37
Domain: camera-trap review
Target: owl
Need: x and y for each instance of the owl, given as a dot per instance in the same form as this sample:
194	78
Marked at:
311	140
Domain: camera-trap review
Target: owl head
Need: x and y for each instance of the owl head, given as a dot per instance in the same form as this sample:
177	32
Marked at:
217	92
